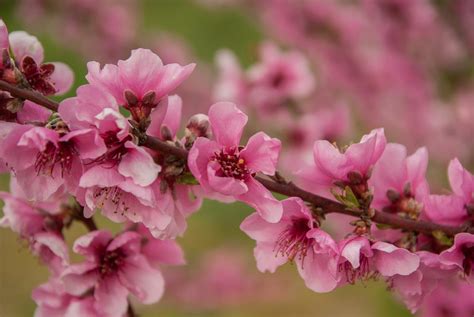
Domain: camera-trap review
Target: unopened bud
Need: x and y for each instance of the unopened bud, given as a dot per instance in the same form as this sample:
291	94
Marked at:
198	126
132	100
393	195
166	133
148	99
14	105
355	177
407	189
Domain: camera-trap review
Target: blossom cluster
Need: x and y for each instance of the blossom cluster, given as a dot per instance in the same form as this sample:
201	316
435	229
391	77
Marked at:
93	155
403	65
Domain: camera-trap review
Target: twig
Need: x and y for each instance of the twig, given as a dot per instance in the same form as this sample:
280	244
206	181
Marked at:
284	188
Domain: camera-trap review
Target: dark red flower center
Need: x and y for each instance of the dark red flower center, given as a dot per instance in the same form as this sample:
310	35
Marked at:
292	241
111	262
61	155
468	262
39	77
232	165
115	149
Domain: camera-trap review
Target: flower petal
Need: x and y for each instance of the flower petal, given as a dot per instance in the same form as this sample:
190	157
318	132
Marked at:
227	123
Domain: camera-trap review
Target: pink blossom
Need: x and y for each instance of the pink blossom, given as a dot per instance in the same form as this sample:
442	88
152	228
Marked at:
47	78
399	185
332	165
222	166
415	287
47	160
39	223
361	259
122	180
232	83
113	268
452	298
140	82
295	238
453	209
461	254
53	301
279	76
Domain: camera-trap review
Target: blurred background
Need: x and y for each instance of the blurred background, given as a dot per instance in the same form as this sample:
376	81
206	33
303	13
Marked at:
403	65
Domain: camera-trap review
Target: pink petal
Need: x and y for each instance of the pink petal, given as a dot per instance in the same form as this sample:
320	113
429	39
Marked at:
417	163
390	260
173	114
461	181
263	201
157	116
111	297
163	252
454	255
80	278
446	209
318	272
261	153
139	71
329	160
170	77
38	138
227	123
129	242
32	112
3	35
364	154
24	44
55	244
107	78
101	176
143	281
353	247
40	187
88	143
390	171
266	258
260	230
92	243
62	78
198	159
139	165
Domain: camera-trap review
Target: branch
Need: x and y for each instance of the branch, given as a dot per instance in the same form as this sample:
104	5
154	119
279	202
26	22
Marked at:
287	189
29	95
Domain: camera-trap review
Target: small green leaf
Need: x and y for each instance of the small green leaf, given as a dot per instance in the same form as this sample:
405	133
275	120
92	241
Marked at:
443	238
187	179
351	198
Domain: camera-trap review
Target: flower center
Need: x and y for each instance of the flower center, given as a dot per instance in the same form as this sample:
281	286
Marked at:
63	155
361	273
38	77
232	165
111	262
292	241
111	195
404	204
115	149
468	262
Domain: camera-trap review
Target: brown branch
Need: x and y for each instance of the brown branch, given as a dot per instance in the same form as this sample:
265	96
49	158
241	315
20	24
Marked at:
287	189
29	95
